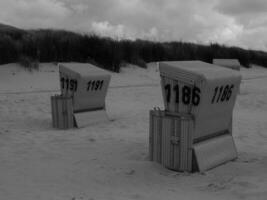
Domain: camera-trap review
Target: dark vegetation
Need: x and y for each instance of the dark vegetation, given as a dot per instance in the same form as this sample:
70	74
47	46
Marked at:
29	47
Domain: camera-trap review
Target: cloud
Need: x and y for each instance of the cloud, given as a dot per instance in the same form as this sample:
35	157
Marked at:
242	7
79	8
33	13
106	29
251	16
229	22
121	32
255	38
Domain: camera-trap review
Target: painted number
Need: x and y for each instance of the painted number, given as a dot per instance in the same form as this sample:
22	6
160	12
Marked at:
95	85
185	94
222	93
69	84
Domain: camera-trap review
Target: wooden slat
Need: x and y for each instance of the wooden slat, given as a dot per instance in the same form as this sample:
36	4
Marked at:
164	144
62	112
59	113
155	136
171	135
190	145
166	141
151	136
154	139
158	138
177	130
53	111
70	114
182	146
171	140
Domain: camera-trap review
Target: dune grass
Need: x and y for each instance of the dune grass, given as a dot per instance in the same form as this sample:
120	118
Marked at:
48	45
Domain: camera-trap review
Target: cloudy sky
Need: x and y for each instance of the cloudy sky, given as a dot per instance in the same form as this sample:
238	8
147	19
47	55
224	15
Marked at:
231	22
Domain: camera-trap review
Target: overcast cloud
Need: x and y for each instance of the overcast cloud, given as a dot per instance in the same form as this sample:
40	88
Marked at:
230	22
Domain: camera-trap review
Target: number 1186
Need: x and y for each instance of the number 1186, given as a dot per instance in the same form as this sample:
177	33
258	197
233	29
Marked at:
222	93
187	95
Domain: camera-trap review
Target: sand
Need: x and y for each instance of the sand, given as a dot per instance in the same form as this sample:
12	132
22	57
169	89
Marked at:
110	160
